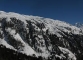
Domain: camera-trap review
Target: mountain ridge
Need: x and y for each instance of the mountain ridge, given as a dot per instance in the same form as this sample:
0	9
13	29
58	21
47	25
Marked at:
39	36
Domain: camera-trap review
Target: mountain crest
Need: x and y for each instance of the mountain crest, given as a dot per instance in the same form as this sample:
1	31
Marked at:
39	36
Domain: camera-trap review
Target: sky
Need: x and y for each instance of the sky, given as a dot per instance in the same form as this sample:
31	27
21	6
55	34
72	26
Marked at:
70	11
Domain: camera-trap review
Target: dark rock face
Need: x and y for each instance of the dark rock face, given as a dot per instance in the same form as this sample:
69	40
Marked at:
18	34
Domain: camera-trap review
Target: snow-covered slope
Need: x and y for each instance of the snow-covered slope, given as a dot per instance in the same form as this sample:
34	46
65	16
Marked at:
40	36
79	25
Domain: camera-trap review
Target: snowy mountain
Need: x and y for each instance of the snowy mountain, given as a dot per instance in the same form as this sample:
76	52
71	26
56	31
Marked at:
79	25
29	37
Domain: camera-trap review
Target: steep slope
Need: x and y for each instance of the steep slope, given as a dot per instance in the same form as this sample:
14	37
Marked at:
38	36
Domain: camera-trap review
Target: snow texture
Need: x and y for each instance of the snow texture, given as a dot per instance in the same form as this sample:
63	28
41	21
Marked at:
54	27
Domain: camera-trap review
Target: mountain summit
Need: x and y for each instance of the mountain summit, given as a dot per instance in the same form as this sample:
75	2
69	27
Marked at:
26	37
